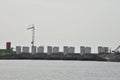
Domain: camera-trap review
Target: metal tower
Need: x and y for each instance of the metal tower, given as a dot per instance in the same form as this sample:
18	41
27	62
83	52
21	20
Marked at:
33	33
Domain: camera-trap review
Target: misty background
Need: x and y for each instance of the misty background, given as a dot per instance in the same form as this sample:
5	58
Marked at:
61	22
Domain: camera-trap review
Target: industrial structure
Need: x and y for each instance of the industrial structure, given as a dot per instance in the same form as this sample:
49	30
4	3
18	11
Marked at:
8	49
25	49
49	50
18	49
85	50
103	49
32	27
53	52
40	49
65	50
55	49
117	50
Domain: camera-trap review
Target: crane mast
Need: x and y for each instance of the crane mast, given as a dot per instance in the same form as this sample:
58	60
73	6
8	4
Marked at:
117	49
33	34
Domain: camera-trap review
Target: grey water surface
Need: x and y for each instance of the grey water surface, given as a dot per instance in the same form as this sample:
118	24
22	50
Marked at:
58	70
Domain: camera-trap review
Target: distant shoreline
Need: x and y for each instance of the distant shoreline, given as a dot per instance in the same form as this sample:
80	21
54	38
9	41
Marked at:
56	56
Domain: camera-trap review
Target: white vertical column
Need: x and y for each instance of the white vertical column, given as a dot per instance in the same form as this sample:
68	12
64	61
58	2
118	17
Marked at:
18	49
82	50
49	50
65	48
88	50
99	49
71	50
25	49
40	49
55	49
33	50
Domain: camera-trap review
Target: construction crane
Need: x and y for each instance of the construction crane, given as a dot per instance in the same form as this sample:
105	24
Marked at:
33	33
116	50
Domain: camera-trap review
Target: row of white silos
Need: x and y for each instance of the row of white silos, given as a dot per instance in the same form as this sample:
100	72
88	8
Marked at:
68	50
26	49
40	49
34	49
20	49
103	49
51	49
85	50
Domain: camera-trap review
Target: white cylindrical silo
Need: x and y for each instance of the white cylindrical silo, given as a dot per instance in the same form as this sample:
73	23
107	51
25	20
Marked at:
82	49
88	50
55	49
100	49
65	50
33	50
106	49
103	50
71	50
40	49
25	50
49	50
18	49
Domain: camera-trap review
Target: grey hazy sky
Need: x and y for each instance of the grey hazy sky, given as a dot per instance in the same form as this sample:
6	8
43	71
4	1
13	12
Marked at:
61	22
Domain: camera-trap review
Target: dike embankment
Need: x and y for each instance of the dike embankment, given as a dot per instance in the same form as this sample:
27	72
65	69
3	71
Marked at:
60	56
111	56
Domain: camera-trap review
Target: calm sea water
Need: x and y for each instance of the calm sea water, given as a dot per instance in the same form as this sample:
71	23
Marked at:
58	70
